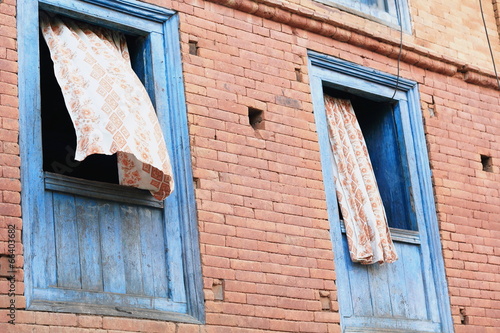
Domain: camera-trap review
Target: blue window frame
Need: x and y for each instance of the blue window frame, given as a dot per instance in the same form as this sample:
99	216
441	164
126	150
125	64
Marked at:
409	295
391	12
93	246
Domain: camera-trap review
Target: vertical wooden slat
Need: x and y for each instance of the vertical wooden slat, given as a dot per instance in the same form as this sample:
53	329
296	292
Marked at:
396	279
154	269
417	302
111	248
43	231
380	292
66	236
87	213
359	283
147	256
131	245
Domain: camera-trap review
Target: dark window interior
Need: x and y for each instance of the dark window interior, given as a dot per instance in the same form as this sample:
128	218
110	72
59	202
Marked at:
58	134
379	126
376	3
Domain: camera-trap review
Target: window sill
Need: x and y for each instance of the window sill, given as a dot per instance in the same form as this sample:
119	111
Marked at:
397	235
99	190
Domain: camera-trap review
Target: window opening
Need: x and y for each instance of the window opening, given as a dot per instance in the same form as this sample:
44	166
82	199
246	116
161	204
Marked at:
379	126
58	133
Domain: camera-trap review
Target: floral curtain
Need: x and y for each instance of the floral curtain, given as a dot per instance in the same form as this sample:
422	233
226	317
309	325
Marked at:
359	199
109	107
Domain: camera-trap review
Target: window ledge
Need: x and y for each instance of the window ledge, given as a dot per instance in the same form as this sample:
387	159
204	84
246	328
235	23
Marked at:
397	235
99	190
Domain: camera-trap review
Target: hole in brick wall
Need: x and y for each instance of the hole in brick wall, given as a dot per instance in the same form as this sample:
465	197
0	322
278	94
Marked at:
193	47
218	290
324	298
464	319
196	182
298	74
255	118
487	163
431	107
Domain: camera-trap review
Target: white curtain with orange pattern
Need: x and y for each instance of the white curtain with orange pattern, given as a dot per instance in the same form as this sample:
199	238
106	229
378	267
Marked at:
109	107
365	221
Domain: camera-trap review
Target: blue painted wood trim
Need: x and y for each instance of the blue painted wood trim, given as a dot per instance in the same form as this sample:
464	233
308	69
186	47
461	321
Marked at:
142	19
334	65
397	235
100	190
429	212
32	196
330	71
399	14
183	172
110	14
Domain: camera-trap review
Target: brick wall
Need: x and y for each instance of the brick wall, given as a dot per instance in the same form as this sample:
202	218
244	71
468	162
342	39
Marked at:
267	257
10	185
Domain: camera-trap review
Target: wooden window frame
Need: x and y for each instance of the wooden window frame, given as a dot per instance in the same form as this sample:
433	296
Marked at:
160	27
398	14
334	73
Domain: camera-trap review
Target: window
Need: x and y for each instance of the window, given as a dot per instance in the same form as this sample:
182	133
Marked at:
409	295
380	130
91	245
392	12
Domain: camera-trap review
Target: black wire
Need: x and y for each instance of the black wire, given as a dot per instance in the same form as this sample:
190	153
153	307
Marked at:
400	46
489	44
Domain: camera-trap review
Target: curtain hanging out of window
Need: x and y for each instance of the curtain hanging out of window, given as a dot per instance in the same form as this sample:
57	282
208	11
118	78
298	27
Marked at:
108	104
368	235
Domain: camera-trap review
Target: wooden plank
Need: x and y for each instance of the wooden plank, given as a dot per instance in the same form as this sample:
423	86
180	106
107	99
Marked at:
100	13
111	248
36	254
148	258
99	190
154	265
397	278
177	314
417	300
389	325
131	246
67	244
45	262
87	215
380	292
120	301
183	257
359	285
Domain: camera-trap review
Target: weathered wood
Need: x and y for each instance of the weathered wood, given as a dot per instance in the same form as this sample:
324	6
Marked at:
120	311
131	243
409	295
99	190
67	244
87	216
154	262
111	249
146	253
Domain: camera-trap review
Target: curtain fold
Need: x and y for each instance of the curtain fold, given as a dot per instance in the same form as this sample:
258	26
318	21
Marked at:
108	104
365	221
